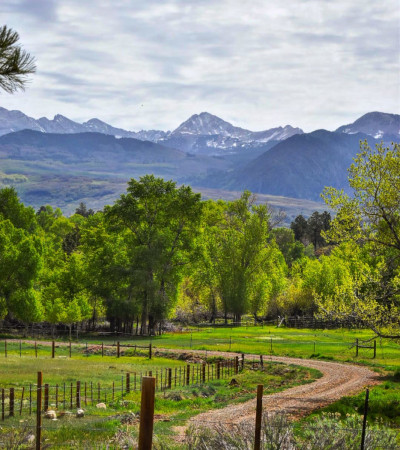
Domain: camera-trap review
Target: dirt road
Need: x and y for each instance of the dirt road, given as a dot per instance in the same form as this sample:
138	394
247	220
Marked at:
337	380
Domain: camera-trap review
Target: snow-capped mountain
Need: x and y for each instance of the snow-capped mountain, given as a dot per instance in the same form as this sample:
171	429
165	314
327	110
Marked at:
201	133
60	124
98	126
377	124
206	124
207	133
11	121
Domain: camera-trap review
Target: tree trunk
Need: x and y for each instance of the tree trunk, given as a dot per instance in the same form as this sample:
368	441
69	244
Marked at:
152	323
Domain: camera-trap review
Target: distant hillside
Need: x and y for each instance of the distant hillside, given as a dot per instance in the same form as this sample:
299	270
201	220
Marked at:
84	163
300	166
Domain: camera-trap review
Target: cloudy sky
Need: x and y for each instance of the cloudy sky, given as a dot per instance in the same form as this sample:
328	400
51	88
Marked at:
256	63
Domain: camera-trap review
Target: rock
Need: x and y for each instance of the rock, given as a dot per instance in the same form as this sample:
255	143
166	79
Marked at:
50	414
233	382
80	413
101	406
30	439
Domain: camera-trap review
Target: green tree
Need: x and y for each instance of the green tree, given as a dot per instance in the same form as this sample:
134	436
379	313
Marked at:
65	297
317	224
15	63
234	257
290	248
20	263
159	222
299	227
13	209
370	217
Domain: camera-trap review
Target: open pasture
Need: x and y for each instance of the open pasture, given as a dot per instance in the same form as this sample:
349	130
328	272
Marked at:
119	420
336	344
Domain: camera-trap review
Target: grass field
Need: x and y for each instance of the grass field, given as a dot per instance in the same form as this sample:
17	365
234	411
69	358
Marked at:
120	419
174	407
302	343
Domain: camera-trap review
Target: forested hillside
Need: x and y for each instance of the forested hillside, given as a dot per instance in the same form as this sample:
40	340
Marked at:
160	252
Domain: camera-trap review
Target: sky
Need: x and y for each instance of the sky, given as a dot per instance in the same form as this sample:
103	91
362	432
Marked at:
150	64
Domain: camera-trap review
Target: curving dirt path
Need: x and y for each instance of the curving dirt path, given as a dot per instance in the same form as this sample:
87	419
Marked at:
337	380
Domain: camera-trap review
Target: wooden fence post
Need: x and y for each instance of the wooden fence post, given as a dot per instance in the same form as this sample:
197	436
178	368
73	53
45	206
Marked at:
53	345
218	370
78	394
11	402
118	350
46	397
147	413
236	365
242	361
187	375
374	349
203	378
364	426
70	349
128	382
257	436
169	378
150	350
39	411
261	361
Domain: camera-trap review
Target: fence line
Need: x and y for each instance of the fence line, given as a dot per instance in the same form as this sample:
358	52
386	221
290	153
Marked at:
20	399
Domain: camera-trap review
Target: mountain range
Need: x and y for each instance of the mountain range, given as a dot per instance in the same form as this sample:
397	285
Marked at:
201	133
62	162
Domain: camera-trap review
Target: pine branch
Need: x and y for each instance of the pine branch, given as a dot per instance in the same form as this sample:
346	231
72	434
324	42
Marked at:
15	63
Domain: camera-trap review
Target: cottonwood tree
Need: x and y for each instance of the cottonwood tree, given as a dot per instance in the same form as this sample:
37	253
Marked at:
235	256
15	63
370	217
20	263
158	222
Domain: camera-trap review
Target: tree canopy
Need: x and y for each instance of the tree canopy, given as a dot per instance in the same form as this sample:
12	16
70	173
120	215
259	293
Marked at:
370	218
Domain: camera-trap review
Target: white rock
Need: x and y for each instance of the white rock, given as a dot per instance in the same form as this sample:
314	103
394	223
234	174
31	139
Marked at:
101	406
80	413
30	439
50	414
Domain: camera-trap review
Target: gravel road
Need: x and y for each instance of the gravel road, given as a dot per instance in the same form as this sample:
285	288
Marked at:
337	380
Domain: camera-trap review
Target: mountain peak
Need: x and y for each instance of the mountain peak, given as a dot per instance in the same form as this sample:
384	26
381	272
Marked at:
377	124
204	124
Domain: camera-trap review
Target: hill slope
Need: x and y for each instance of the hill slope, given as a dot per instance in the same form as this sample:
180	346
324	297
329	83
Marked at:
300	166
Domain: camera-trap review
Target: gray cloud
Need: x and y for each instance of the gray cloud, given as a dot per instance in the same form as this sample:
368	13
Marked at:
152	64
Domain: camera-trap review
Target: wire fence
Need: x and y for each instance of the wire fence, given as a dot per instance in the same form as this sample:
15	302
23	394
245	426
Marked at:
262	344
20	400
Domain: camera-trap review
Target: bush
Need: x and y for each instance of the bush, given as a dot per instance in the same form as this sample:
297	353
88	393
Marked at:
325	432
